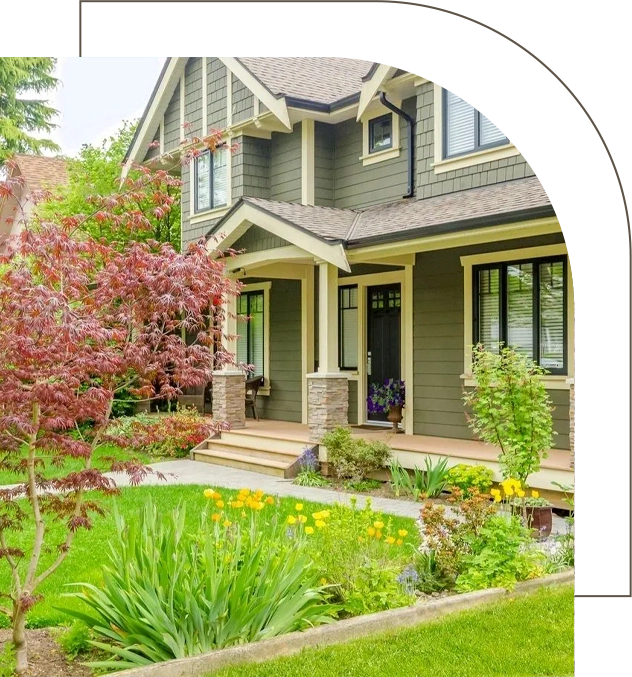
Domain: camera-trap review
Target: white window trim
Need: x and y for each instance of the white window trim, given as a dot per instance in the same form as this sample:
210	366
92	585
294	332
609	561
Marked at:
377	110
552	382
214	212
265	287
442	165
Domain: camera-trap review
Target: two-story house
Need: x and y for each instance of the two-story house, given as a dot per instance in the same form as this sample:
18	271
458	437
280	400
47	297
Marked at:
386	227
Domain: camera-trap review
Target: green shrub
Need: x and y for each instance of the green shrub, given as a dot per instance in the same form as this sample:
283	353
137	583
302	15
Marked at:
428	483
468	477
170	594
354	458
75	640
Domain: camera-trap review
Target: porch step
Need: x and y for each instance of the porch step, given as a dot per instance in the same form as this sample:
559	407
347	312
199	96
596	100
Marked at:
252	439
241	461
235	447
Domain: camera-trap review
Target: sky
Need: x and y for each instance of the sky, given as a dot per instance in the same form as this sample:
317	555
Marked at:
97	93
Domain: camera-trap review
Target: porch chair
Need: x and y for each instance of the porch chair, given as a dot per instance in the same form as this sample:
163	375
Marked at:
252	388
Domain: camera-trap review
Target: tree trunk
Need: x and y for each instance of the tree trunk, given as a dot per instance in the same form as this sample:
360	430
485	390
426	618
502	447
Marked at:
19	641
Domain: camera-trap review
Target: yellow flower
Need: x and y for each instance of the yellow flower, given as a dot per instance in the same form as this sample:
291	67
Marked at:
509	491
535	494
298	507
243	514
302	519
324	514
378	525
216	517
237	504
402	533
208	493
309	530
390	540
320	524
323	581
219	504
291	519
378	535
371	531
259	493
495	492
245	492
497	498
216	495
227	523
520	493
270	500
317	515
399	541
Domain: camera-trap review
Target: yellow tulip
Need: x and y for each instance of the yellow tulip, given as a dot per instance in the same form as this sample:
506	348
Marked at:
317	515
259	506
520	493
495	492
371	531
399	541
298	507
497	498
319	523
535	494
390	540
227	523
216	495
378	525
402	533
237	504
302	519
378	535
291	519
324	514
259	493
216	517
245	492
309	530
270	500
509	492
219	504
208	493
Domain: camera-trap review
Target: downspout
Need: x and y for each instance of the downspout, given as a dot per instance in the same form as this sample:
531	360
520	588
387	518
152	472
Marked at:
411	142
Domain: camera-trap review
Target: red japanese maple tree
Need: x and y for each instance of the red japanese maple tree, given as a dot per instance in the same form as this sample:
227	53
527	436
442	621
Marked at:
81	320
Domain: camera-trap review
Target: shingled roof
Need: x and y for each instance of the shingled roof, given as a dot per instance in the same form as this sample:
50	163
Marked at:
323	80
41	172
474	208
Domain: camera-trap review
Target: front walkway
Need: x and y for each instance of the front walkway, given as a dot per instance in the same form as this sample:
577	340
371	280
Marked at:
207	474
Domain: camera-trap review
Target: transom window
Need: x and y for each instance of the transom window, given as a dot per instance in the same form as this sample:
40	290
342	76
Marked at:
465	129
386	299
381	133
251	331
348	324
523	305
211	181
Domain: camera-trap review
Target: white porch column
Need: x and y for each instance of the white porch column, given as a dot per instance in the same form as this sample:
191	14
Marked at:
328	390
229	384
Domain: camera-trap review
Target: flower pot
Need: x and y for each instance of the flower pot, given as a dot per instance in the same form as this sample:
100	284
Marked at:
539	520
395	416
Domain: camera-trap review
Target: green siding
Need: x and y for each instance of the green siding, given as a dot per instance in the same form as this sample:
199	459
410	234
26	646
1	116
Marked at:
193	97
430	184
285	166
438	343
251	168
172	121
358	186
285	400
243	101
216	93
256	239
324	161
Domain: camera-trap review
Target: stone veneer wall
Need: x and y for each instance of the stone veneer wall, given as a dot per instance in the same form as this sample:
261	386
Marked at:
229	393
327	404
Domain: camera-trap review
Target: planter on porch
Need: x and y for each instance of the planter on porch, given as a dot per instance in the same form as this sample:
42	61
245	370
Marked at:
540	520
389	398
395	416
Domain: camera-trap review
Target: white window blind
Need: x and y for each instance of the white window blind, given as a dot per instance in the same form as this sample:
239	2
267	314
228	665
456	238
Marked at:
460	125
489	308
203	182
348	309
220	182
552	315
520	308
251	331
489	133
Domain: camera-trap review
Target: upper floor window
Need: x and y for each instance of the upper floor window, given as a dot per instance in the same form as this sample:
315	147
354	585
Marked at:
348	327
211	181
523	305
381	133
466	130
250	344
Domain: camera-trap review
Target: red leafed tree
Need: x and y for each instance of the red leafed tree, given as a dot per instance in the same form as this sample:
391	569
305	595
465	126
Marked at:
81	320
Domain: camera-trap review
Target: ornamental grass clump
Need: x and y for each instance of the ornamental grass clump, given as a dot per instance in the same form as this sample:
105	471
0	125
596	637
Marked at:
167	593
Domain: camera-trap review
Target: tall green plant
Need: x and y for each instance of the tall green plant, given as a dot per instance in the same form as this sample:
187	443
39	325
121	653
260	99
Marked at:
511	409
168	594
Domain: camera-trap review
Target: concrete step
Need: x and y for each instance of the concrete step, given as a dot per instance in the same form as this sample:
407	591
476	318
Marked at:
241	461
235	447
251	440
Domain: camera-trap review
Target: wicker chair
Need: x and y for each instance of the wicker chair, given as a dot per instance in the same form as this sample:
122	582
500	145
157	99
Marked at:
252	388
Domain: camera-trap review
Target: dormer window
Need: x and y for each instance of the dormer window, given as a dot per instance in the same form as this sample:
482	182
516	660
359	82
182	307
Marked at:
381	133
467	130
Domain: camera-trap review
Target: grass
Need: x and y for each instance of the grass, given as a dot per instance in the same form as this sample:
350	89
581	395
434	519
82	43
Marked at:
525	635
73	464
89	551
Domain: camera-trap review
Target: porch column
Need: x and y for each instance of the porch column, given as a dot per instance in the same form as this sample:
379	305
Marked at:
328	390
229	383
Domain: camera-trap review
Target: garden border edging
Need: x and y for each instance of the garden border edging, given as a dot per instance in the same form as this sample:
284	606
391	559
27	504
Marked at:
338	632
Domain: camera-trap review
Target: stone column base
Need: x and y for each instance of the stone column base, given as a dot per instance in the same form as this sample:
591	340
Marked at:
229	398
327	403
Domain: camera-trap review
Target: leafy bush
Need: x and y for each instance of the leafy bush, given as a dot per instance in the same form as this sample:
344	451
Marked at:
468	477
511	409
354	458
360	554
423	574
75	640
170	594
362	485
172	435
428	483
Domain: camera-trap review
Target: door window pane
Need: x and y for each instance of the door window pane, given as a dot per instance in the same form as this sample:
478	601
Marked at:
348	309
520	308
251	331
552	315
489	308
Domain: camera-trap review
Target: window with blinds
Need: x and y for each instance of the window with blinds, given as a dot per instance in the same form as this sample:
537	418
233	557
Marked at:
211	180
348	327
251	331
381	133
465	129
523	305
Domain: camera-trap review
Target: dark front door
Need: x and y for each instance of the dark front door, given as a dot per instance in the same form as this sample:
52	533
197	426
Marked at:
384	305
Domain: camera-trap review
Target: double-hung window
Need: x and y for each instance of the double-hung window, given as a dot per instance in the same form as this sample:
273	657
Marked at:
348	327
381	133
251	331
211	181
465	129
523	305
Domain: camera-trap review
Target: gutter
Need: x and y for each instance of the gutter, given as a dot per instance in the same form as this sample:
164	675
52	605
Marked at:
411	142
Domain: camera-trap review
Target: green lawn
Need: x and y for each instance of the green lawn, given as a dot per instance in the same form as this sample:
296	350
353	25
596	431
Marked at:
529	635
71	464
90	548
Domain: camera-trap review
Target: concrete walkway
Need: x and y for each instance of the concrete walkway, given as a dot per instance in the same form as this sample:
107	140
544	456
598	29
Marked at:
207	474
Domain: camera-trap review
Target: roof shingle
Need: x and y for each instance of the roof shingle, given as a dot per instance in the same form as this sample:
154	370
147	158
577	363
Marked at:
41	172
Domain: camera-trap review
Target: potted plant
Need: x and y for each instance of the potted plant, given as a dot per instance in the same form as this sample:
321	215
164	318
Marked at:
389	398
537	513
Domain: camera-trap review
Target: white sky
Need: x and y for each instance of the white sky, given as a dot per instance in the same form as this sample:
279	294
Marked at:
97	93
